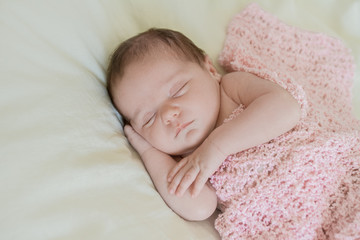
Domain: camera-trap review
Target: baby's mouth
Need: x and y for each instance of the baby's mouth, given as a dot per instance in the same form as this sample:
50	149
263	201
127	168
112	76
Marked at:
182	127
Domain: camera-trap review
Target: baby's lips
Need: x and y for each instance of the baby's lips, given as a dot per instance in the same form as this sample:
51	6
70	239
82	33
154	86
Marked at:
181	127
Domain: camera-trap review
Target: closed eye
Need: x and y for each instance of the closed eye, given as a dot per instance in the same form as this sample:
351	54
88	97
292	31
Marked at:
150	121
180	91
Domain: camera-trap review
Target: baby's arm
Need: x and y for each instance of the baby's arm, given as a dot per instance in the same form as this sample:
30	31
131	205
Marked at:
270	111
158	165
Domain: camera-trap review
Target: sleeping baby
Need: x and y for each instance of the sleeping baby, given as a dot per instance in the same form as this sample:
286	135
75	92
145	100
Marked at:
253	142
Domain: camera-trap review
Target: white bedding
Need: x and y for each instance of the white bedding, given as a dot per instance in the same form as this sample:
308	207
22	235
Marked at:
66	170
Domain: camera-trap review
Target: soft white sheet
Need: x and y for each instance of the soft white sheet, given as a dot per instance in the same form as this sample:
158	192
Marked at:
66	171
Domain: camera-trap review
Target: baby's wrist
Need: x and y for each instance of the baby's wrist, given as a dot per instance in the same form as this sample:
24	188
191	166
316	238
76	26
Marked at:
217	150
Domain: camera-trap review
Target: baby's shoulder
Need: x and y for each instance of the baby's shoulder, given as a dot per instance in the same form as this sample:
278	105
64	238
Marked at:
230	93
232	82
232	79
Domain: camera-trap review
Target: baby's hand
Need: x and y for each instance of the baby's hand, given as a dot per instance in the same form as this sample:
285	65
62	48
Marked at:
137	141
195	169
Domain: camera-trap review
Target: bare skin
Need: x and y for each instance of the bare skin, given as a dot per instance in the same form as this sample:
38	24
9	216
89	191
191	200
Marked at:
179	109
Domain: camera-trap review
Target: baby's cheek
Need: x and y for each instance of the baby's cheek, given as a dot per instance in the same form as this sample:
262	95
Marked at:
156	139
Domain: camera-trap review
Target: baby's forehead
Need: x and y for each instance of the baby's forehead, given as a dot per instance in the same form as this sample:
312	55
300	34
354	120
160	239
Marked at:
144	82
164	52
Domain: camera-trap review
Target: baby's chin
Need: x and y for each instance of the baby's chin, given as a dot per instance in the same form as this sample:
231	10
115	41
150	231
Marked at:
182	153
187	153
186	150
192	145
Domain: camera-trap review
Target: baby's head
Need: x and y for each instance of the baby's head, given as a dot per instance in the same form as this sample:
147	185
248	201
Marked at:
151	43
166	88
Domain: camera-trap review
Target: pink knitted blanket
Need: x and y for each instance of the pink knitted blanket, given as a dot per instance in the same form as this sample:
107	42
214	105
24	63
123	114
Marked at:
305	184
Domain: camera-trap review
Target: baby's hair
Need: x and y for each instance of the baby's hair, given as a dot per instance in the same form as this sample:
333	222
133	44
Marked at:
147	43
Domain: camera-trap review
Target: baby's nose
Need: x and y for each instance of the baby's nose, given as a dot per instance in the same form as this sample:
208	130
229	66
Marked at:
171	114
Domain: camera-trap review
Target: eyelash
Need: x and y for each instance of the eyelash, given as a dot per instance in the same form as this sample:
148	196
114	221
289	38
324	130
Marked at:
150	120
178	92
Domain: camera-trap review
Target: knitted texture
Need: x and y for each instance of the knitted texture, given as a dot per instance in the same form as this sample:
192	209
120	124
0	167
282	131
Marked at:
305	184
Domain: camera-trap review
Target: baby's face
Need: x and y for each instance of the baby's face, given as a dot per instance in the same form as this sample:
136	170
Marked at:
172	103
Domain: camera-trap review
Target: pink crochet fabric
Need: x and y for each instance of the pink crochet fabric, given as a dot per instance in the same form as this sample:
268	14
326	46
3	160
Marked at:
304	184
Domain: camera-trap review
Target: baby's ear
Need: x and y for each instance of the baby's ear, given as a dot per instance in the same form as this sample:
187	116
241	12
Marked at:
211	68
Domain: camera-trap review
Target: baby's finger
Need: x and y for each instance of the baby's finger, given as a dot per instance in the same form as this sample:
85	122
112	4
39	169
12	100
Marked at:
177	179
186	181
198	184
176	169
137	141
128	130
131	135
